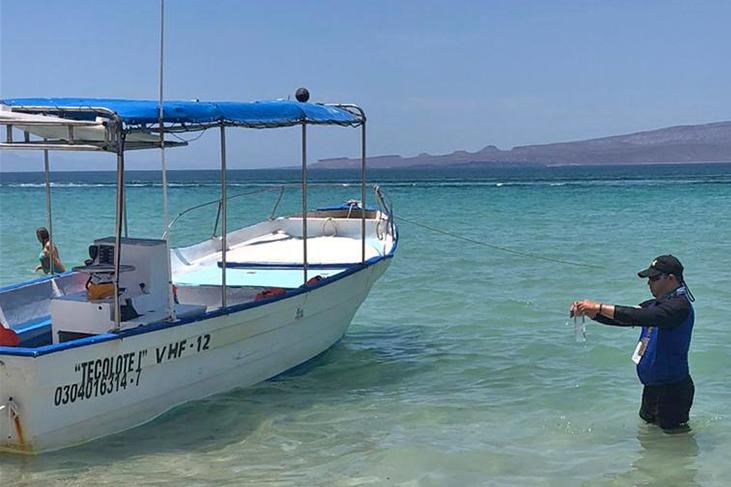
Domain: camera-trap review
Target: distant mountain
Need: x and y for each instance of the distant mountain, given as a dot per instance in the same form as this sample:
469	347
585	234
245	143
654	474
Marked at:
682	144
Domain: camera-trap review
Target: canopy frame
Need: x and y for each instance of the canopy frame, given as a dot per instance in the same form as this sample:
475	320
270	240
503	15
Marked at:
119	134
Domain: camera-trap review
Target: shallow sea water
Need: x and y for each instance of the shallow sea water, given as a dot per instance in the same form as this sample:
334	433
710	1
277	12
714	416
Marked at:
461	367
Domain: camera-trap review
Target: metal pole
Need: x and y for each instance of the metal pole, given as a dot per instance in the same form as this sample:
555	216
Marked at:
304	200
166	215
363	190
160	121
223	213
49	219
126	226
120	215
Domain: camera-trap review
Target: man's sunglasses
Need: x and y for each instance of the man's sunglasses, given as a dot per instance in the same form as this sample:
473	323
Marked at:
655	278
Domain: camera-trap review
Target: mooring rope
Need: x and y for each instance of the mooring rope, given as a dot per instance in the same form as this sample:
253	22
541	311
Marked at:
498	247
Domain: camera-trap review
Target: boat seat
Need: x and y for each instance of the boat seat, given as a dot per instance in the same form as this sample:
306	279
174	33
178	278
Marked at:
182	311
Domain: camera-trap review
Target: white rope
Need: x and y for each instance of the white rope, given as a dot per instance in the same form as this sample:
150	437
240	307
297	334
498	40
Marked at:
331	222
500	248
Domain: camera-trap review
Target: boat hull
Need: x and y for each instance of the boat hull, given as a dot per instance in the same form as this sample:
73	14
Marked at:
75	395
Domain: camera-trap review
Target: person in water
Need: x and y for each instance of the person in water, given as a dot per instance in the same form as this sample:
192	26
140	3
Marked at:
48	253
661	354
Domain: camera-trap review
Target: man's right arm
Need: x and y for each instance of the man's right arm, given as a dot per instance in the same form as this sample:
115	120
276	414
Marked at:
607	314
610	321
669	313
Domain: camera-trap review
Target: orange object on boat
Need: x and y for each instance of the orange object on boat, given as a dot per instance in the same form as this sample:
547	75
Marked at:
270	293
100	291
314	280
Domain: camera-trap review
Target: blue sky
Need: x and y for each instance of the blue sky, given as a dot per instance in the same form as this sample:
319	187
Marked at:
433	76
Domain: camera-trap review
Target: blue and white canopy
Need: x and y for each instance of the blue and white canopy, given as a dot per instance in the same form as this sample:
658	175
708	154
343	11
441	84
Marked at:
194	115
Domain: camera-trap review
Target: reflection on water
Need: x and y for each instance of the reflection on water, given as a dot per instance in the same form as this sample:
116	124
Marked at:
663	459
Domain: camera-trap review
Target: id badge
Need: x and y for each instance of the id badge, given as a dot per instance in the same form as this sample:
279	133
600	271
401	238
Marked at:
640	350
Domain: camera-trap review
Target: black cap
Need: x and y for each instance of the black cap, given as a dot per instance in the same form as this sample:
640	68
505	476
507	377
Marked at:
663	264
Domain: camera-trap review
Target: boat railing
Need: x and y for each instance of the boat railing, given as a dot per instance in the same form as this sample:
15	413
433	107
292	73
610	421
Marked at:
219	202
384	205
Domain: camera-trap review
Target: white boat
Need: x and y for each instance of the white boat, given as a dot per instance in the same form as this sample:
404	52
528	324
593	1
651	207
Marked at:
141	328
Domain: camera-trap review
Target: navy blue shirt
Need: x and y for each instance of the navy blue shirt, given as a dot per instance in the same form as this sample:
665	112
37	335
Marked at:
667	324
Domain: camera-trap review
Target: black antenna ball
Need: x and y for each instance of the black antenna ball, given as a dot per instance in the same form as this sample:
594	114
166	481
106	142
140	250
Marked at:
302	95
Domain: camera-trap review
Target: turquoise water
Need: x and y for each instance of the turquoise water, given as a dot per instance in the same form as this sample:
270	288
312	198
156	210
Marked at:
460	367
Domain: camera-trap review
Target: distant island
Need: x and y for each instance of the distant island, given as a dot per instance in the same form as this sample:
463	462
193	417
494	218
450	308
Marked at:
709	142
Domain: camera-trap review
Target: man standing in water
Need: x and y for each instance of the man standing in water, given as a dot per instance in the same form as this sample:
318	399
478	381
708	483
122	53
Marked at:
662	352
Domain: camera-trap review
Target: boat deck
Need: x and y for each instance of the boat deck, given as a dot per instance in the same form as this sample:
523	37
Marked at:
210	275
276	261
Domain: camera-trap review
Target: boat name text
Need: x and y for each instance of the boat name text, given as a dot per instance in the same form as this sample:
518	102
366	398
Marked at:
101	377
104	376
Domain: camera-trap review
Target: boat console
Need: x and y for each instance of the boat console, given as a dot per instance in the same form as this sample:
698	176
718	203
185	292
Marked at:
143	288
